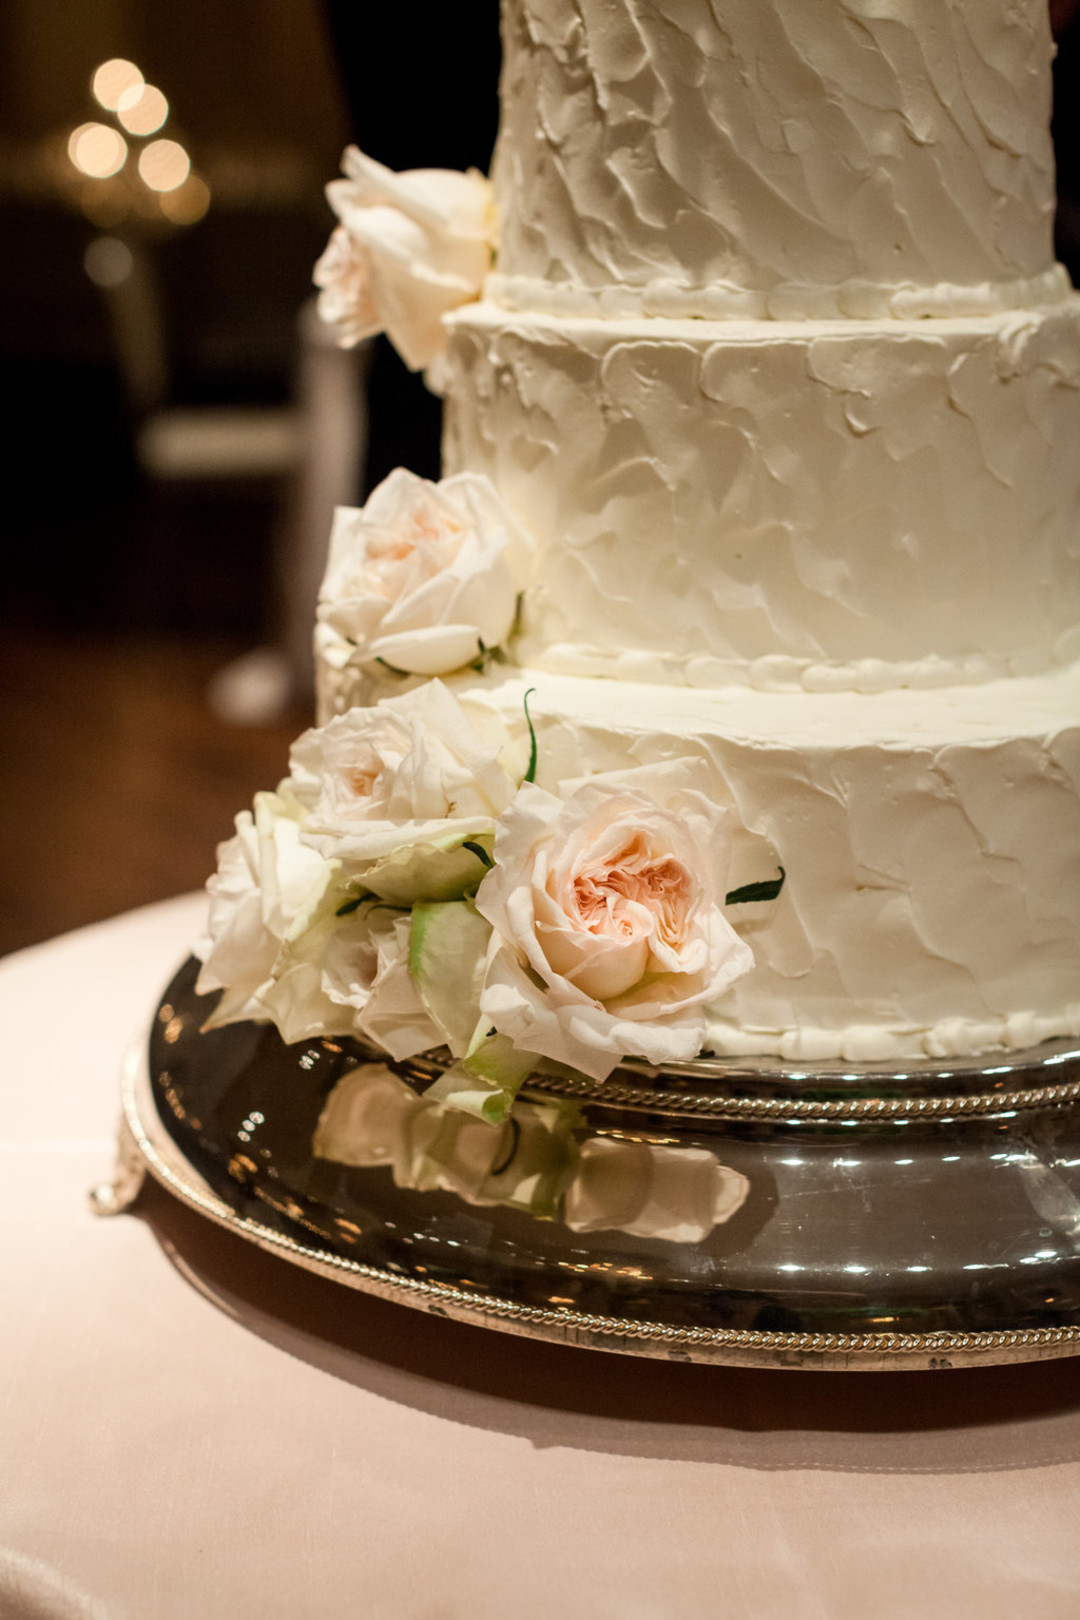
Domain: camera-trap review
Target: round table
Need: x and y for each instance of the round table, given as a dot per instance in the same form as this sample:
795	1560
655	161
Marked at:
190	1427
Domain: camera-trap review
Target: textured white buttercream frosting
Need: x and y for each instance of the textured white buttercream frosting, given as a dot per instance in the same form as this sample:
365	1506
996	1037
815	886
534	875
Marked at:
826	504
781	148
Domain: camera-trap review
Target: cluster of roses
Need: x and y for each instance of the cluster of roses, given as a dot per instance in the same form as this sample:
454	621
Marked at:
541	1160
405	885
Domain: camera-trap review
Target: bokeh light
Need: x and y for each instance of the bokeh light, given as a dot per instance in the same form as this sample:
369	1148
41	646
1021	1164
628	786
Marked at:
114	79
188	203
108	261
97	150
142	109
164	165
107	203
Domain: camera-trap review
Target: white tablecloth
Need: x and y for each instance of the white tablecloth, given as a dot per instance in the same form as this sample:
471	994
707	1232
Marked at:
190	1429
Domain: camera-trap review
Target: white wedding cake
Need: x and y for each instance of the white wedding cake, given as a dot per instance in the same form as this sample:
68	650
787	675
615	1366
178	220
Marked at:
753	584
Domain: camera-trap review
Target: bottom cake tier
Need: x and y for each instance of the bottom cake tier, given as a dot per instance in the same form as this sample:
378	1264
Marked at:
930	842
722	1212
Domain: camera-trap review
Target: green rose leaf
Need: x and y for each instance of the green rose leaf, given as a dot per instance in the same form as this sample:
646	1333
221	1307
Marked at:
768	890
472	1094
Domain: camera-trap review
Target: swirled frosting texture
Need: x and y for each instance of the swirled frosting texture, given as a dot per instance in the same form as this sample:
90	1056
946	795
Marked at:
774	148
854	504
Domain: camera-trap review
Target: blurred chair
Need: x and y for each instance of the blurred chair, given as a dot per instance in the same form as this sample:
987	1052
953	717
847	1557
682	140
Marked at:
167	341
332	412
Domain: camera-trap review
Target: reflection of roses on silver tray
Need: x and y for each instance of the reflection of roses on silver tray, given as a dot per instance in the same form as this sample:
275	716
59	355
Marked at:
533	1161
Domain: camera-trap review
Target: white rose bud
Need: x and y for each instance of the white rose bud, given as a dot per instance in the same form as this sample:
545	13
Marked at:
415	246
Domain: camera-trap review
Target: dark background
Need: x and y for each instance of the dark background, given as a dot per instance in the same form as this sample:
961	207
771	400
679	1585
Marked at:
123	592
266	93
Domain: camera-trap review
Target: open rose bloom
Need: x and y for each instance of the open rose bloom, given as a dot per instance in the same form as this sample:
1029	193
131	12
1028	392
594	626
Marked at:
607	914
424	578
389	787
410	248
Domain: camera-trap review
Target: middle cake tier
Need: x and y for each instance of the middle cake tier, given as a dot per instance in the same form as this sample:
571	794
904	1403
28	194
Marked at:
829	505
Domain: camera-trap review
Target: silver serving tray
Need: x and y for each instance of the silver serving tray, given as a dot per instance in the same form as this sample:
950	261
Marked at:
928	1218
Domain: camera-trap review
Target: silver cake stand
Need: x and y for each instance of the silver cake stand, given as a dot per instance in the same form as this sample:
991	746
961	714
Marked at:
928	1218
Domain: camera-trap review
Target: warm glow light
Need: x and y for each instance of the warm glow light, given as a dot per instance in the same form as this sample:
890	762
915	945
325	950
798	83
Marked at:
113	79
97	150
188	202
164	165
108	261
107	203
142	109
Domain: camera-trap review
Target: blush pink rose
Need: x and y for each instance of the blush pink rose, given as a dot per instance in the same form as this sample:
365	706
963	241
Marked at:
609	936
411	770
423	578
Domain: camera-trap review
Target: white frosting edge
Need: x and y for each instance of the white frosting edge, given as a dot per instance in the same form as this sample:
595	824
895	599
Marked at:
787	301
871	1043
782	673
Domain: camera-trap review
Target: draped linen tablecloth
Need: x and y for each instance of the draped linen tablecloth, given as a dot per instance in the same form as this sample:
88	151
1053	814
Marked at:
190	1429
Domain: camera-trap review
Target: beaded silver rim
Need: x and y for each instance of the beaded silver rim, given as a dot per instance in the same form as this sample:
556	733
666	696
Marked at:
618	1095
655	1093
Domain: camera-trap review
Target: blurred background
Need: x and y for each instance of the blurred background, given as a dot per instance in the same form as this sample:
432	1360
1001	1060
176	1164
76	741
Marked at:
177	430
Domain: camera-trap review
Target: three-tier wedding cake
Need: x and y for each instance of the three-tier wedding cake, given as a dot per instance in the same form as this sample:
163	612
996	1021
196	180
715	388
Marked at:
724	696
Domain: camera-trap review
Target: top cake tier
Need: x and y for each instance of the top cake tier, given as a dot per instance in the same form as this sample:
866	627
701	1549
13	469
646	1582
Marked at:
786	158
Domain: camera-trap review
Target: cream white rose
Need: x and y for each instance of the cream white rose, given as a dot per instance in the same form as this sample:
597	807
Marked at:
415	246
677	1194
609	935
267	887
385	784
280	948
350	976
423	578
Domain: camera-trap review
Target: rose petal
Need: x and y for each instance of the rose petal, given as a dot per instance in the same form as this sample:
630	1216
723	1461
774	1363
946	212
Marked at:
436	650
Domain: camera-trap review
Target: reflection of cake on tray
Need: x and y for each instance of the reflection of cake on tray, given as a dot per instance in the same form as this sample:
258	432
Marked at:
722	701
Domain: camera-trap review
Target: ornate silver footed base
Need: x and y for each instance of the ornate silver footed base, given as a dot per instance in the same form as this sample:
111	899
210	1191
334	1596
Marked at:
751	1214
117	1196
